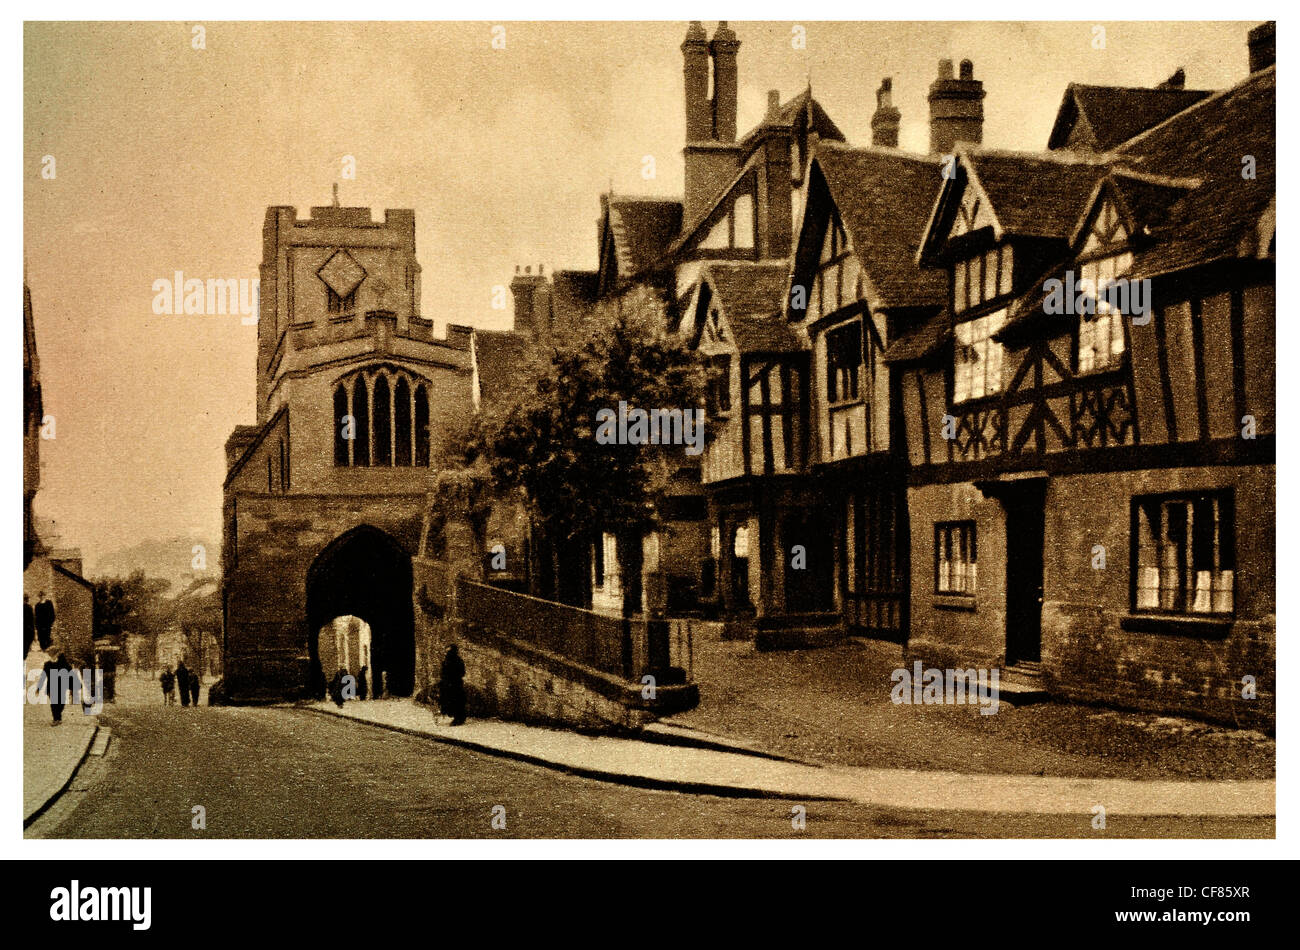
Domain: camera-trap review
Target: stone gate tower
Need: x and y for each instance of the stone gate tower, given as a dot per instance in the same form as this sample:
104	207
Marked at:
324	496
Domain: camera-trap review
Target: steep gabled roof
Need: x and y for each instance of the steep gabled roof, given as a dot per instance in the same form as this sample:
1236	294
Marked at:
641	228
750	297
1105	116
1035	195
803	113
884	198
1210	141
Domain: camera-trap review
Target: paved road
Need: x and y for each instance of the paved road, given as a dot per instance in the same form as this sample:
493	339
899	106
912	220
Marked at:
283	773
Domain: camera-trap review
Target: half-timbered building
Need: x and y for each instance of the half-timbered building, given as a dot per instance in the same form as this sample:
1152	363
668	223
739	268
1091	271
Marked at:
1089	421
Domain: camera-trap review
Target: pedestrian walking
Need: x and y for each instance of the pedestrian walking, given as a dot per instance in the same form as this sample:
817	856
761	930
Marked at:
43	616
336	688
451	687
196	683
183	682
168	681
361	683
29	626
59	683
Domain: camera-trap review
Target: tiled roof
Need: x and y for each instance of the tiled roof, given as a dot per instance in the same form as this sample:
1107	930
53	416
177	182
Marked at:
1035	194
802	109
1209	141
1114	114
642	229
922	340
884	198
750	296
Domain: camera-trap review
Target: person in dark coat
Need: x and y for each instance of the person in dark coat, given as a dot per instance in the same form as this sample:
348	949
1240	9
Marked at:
196	683
336	688
451	687
361	683
43	616
29	626
183	682
58	681
168	682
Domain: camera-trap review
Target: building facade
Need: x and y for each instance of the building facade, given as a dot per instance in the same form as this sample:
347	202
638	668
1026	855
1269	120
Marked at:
324	498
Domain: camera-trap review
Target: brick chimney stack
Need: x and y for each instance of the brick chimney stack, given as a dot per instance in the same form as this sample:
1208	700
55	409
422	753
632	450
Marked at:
529	290
885	121
723	49
1261	44
695	66
711	153
956	108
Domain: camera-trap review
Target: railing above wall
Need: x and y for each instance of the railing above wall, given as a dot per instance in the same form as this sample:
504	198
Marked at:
603	642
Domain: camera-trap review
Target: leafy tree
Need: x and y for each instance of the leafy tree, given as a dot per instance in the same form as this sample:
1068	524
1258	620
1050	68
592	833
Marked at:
545	444
132	604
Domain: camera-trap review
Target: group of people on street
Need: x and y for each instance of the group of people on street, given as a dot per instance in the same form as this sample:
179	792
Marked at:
182	681
38	622
345	685
451	686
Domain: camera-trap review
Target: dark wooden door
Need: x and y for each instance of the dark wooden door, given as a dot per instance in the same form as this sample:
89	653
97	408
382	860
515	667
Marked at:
1024	508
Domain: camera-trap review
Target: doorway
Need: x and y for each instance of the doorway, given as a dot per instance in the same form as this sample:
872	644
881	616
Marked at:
1024	507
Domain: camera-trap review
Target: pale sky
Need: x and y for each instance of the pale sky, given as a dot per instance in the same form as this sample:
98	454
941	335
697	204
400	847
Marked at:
167	157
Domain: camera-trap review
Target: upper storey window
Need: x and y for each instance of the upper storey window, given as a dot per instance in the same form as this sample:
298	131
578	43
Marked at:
838	281
381	418
978	283
1105	259
982	278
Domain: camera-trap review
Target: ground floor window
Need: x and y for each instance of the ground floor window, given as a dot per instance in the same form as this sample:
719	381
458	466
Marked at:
954	557
1185	553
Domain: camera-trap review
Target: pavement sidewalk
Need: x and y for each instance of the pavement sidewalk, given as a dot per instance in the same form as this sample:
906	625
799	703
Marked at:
655	764
52	754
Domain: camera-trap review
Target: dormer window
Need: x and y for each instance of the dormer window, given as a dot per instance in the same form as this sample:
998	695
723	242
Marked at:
982	278
1105	258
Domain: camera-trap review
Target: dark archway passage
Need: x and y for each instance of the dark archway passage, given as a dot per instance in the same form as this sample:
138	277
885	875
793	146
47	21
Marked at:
365	573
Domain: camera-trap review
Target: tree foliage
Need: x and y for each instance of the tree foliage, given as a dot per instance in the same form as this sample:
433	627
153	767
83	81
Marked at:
545	445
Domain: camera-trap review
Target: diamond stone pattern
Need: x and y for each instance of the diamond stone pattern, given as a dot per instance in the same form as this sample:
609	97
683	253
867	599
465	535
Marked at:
342	274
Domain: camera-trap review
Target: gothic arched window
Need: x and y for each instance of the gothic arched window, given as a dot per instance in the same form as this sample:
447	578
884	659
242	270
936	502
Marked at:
390	404
361	415
383	423
421	425
402	421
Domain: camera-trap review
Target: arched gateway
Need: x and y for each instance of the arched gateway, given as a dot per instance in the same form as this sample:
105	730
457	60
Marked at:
365	573
325	496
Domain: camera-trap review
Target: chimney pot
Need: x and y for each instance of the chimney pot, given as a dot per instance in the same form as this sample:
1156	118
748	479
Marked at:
956	108
528	269
967	69
886	120
945	69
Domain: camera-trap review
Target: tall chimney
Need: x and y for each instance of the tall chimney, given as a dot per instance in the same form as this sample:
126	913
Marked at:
1260	41
956	108
695	65
723	49
527	288
885	121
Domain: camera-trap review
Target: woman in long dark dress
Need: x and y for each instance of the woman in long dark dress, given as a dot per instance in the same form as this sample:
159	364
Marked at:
451	687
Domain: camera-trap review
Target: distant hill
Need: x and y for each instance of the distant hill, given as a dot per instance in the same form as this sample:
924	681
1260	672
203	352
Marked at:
171	560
